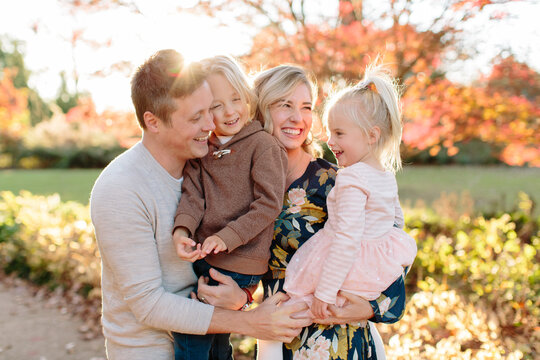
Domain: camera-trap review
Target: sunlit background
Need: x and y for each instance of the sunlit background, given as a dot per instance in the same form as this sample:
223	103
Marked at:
470	188
110	41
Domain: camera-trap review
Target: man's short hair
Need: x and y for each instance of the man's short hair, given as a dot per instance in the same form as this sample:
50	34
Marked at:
163	78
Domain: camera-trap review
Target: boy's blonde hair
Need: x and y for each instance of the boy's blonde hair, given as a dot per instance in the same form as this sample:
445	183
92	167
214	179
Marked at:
373	102
276	83
234	73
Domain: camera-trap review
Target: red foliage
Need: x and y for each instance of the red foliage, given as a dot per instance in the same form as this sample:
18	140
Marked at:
512	77
441	114
502	109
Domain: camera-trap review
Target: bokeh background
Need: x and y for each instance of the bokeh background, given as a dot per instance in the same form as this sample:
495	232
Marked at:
470	73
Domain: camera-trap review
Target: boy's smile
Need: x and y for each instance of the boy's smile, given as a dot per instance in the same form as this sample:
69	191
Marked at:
230	111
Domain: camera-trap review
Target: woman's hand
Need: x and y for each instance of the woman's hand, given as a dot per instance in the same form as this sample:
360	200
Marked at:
227	294
355	309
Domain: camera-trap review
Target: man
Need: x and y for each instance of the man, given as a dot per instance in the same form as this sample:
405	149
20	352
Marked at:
145	286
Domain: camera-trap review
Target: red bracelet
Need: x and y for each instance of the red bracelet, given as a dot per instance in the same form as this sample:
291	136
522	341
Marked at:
249	299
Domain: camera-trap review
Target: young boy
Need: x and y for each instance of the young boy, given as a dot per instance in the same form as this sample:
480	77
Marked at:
231	197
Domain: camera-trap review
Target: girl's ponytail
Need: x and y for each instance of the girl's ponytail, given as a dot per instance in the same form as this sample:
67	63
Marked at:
373	102
388	116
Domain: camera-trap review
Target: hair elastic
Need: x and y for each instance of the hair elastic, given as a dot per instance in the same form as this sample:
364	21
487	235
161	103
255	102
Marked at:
372	87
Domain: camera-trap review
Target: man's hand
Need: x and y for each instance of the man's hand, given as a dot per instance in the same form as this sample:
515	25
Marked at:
272	320
227	294
319	309
213	243
186	248
356	309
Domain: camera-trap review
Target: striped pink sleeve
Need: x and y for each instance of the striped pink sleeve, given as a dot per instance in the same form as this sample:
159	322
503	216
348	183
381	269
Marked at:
351	198
398	217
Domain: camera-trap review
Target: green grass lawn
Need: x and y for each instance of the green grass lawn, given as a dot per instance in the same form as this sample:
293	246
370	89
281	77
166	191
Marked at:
72	184
492	188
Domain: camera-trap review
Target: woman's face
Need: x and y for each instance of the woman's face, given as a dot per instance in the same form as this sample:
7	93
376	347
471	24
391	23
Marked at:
292	117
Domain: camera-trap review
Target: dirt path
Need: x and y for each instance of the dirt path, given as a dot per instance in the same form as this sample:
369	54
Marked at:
34	329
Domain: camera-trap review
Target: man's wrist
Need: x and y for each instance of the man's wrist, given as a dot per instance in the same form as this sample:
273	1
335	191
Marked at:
249	299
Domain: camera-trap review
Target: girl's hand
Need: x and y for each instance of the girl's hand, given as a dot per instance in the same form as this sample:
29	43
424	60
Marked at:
356	309
319	309
227	294
213	243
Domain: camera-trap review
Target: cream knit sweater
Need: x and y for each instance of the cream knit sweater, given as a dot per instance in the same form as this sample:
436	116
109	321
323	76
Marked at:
144	284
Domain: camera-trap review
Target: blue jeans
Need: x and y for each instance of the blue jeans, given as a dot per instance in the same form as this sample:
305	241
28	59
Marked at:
210	346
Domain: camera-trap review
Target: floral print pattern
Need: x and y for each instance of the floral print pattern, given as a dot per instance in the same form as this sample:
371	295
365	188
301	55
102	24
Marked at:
304	213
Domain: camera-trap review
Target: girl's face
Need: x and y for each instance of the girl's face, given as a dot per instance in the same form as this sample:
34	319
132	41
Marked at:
347	140
230	112
292	118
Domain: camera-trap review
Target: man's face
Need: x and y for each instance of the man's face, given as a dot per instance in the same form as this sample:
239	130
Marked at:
190	125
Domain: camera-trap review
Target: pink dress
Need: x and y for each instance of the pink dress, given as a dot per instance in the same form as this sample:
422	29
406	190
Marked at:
359	250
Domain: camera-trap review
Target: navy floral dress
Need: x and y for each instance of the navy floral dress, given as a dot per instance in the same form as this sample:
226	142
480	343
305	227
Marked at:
304	213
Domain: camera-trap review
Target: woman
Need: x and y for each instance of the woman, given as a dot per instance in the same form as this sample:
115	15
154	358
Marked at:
286	97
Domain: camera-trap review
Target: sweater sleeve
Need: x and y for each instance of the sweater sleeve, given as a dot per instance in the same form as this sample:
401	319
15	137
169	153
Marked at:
127	244
350	212
398	217
191	207
268	173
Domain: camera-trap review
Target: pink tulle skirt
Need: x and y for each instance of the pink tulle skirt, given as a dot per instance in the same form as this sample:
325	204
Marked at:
378	263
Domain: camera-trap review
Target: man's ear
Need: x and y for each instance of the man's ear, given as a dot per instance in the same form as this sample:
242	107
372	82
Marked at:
151	121
374	135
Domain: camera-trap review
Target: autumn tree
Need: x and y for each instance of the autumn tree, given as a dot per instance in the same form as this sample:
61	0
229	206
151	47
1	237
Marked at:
442	115
416	38
509	76
14	117
11	57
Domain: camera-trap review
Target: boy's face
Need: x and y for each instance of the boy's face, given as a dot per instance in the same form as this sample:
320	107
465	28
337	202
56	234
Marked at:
190	125
229	110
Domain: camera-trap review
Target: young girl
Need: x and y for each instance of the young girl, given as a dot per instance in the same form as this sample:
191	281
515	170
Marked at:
362	248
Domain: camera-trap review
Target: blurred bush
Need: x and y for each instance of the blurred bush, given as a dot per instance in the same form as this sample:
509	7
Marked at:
60	144
473	152
49	242
493	259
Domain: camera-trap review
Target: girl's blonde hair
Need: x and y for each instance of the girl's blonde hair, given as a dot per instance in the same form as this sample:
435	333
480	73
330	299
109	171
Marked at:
274	84
373	102
235	75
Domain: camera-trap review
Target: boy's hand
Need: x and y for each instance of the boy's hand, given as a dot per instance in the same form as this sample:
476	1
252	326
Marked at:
186	248
319	309
213	243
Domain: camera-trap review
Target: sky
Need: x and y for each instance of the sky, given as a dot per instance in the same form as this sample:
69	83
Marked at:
133	37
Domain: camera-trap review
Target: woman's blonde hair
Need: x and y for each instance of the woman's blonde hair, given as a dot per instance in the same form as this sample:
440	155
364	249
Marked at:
276	83
235	75
373	102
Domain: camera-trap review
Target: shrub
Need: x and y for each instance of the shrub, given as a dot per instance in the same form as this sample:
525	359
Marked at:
492	259
61	144
49	242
